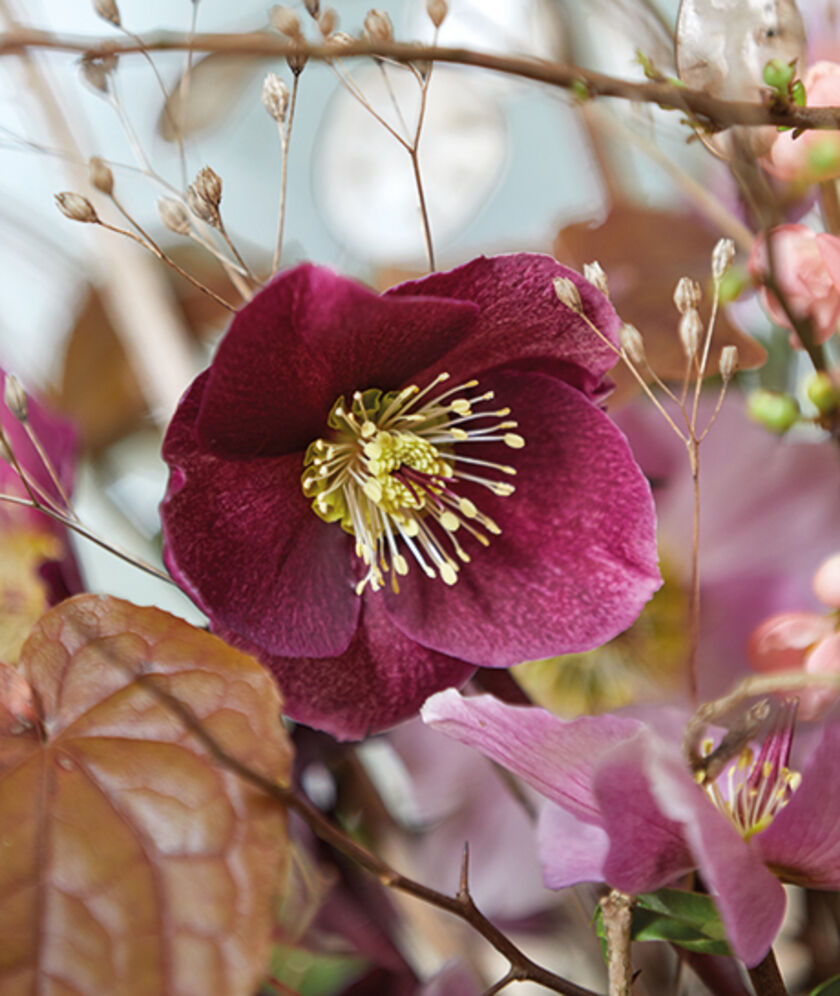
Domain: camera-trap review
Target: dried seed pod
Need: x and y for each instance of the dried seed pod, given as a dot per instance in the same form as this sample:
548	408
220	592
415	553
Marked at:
208	184
95	71
328	22
14	397
76	207
275	97
568	293
594	273
728	363
286	21
691	333
722	256
201	207
437	11
108	11
632	343
100	175
174	215
313	8
687	294
378	27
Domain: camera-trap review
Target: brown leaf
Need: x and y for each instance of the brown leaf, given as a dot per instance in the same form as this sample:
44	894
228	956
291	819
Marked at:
133	864
644	253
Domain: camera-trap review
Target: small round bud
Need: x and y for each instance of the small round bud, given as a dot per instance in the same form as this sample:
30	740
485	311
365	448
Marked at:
776	412
568	293
14	397
100	175
822	393
76	207
687	295
313	8
107	10
275	97
174	215
286	21
691	333
594	273
208	184
722	256
632	343
728	363
378	27
437	11
201	207
328	22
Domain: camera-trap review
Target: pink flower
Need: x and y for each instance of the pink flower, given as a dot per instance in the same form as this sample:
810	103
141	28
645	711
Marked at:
792	640
375	494
814	155
628	811
807	268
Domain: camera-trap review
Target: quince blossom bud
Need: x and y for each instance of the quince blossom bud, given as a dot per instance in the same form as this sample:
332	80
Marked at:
275	97
568	294
437	11
100	175
174	215
822	393
594	273
632	343
776	412
687	295
722	256
691	333
378	26
107	10
14	397
76	207
728	363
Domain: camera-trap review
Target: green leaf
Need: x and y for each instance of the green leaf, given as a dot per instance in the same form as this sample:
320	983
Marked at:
829	988
688	919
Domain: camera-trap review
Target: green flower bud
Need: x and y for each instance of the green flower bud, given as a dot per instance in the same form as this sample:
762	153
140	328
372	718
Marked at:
774	410
822	393
779	74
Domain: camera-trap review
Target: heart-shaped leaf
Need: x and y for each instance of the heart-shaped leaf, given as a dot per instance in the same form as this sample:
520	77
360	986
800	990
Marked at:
132	862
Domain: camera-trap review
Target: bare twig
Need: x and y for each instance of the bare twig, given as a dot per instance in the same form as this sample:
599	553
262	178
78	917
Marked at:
285	138
617	911
766	977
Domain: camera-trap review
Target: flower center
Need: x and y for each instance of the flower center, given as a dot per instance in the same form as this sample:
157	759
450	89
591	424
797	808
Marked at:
752	790
389	470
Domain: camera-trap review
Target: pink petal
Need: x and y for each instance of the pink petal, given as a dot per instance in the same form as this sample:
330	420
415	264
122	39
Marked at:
815	702
570	851
576	559
781	642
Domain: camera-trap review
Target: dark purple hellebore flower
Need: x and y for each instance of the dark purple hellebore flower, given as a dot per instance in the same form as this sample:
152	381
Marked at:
627	810
376	493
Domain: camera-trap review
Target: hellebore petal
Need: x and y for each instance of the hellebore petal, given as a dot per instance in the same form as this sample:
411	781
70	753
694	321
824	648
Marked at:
570	851
521	319
288	584
382	678
802	843
556	757
575	561
306	339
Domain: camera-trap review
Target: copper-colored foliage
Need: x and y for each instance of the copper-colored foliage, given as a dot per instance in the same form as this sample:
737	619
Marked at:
644	253
132	863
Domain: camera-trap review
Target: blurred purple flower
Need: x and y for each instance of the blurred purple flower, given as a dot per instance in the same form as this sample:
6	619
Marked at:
628	811
345	503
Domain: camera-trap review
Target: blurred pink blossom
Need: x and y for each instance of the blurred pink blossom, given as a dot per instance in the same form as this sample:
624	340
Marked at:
807	268
814	155
792	640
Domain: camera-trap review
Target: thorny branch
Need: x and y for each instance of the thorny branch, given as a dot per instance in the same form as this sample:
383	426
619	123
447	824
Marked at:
713	111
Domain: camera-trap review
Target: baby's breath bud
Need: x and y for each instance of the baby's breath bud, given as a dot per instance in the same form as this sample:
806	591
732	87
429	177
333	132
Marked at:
776	412
568	294
437	11
15	397
208	185
728	363
275	97
100	175
687	295
594	273
76	207
378	26
174	215
327	22
632	343
691	333
722	255
286	22
201	207
313	8
95	72
107	10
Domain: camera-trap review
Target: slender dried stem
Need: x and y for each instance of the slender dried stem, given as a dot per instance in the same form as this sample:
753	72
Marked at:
50	469
285	137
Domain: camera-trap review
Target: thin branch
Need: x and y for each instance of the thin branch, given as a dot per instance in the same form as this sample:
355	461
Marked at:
617	912
766	977
285	138
719	113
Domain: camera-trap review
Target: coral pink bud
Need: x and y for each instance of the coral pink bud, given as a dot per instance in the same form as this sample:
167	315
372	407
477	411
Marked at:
807	270
824	659
827	581
781	642
814	155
